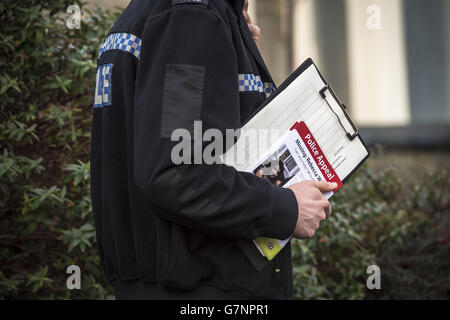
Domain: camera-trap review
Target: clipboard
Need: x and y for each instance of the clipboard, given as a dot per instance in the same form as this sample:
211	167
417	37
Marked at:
340	112
351	134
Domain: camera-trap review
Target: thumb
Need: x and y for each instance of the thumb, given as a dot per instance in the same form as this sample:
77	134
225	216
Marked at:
325	186
245	9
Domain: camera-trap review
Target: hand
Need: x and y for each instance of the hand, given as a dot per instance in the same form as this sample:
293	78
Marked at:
313	207
254	29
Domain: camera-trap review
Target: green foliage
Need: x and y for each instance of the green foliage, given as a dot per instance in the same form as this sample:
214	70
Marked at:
47	75
379	220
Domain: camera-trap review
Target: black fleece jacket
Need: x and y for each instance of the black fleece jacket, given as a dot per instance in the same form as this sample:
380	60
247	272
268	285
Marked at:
164	65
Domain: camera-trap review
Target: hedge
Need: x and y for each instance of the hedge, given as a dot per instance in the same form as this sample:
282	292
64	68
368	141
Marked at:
47	75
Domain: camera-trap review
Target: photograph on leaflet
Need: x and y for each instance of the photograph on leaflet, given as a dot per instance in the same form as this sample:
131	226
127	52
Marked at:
279	168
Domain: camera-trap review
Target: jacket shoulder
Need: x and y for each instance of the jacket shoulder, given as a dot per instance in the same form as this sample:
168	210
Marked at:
179	2
220	8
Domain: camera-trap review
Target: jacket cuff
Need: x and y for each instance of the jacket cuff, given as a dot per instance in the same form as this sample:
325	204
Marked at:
284	215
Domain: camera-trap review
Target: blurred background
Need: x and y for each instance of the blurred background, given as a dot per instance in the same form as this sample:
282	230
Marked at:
389	62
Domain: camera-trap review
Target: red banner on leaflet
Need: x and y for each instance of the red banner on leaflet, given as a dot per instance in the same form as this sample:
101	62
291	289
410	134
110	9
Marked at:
313	147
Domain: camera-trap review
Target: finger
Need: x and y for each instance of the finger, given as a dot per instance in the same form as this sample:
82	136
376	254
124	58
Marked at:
325	186
323	215
247	17
245	6
328	210
316	227
325	205
255	29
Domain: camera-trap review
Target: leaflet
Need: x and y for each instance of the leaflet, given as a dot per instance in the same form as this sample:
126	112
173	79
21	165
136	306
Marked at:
296	157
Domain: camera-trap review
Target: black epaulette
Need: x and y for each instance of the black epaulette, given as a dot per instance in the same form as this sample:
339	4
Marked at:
177	2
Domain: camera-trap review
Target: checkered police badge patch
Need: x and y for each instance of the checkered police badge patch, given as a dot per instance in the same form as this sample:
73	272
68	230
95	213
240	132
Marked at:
253	83
122	41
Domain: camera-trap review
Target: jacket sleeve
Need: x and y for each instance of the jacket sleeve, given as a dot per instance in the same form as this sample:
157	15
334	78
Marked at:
188	71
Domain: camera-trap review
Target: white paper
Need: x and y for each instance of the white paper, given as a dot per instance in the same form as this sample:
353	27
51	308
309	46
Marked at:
300	101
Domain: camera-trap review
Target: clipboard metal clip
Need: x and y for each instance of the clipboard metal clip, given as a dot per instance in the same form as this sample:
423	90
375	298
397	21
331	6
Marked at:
339	110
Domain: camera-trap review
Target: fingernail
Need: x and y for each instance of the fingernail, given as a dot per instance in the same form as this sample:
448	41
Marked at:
333	185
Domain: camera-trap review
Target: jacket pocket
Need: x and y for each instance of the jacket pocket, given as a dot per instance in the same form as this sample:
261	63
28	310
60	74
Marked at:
182	97
187	266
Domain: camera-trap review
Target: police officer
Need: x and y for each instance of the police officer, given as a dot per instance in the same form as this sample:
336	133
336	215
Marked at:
169	231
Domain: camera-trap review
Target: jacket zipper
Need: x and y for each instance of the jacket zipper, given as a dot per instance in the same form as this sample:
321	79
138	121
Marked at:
252	47
277	268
